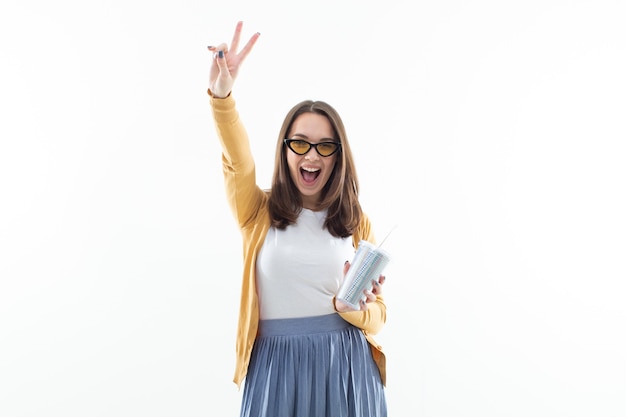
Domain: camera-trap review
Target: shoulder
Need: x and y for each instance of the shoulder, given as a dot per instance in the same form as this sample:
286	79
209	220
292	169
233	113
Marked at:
364	231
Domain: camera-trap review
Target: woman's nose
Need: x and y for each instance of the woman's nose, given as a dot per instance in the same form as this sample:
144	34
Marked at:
311	155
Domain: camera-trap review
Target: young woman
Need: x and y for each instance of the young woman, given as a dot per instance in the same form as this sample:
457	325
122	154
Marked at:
301	352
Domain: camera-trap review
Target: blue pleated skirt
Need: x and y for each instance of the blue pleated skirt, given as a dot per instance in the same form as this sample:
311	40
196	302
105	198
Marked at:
312	367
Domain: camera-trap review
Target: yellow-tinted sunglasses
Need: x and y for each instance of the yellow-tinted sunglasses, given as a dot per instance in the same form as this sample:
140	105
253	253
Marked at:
301	147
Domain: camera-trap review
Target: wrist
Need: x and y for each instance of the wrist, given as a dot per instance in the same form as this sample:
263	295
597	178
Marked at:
217	95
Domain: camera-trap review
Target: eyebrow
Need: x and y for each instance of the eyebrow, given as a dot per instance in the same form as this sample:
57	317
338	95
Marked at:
303	136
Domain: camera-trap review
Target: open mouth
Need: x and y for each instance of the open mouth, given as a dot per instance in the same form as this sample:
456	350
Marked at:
309	175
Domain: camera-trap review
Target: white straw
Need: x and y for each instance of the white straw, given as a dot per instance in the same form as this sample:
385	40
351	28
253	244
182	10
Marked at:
385	238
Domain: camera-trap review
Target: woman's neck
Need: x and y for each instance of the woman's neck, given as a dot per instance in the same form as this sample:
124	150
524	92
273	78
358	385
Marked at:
310	205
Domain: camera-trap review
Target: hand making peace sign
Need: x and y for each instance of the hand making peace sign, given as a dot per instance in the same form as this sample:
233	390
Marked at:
226	63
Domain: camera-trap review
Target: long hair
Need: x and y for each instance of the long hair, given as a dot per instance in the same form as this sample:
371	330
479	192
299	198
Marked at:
339	195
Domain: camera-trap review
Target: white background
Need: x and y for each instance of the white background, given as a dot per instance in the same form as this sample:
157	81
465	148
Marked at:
490	132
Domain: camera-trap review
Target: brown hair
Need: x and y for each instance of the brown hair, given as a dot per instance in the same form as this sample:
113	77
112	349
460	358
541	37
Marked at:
339	195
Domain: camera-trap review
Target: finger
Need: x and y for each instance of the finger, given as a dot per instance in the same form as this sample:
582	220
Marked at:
221	47
346	266
382	279
235	42
246	49
376	287
363	306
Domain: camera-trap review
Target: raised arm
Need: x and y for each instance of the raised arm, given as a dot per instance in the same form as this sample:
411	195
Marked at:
244	196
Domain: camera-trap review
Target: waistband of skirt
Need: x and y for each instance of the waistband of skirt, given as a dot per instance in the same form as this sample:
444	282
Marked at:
302	325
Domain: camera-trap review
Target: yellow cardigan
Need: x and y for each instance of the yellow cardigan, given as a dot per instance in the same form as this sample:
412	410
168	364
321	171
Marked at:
249	204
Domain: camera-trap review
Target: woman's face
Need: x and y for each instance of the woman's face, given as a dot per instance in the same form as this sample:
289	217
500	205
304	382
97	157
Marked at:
311	171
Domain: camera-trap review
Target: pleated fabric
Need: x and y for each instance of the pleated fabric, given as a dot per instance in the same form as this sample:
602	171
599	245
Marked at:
312	367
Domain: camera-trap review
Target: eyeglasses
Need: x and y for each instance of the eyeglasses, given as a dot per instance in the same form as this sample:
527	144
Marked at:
301	147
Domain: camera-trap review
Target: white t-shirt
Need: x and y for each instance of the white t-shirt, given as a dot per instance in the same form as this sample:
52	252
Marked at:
300	269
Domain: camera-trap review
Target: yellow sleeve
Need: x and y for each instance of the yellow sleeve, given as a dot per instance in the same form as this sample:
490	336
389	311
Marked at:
371	320
244	196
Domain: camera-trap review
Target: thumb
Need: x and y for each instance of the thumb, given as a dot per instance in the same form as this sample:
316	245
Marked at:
221	61
224	82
